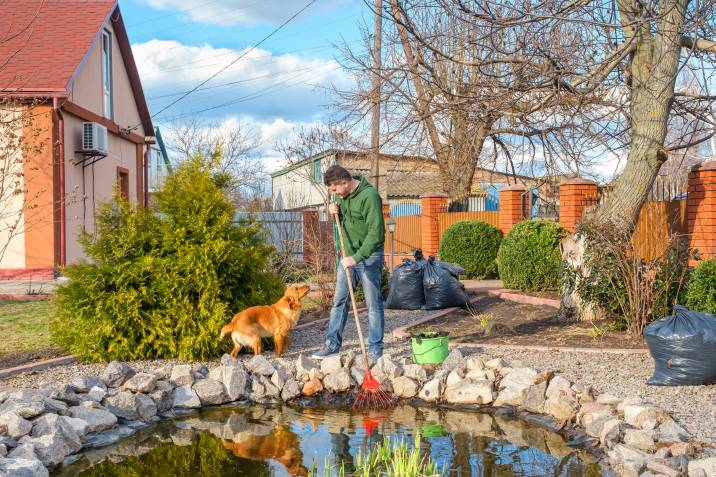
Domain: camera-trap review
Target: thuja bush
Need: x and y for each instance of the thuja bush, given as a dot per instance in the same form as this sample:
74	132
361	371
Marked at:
161	285
701	290
473	245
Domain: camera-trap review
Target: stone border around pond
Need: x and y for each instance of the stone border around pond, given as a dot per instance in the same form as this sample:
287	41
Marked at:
41	429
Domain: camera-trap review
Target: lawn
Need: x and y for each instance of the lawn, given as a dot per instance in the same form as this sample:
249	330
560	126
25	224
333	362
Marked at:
25	326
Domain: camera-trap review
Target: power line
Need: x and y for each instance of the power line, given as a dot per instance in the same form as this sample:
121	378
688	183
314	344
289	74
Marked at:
311	2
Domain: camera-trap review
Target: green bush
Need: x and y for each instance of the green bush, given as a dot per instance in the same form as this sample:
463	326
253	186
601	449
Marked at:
473	245
162	285
529	257
701	289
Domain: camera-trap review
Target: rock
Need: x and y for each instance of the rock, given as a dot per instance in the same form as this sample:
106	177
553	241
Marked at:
83	384
661	469
349	358
594	425
612	432
14	425
640	439
65	393
338	382
19	467
96	394
533	398
477	374
670	431
23	451
705	466
415	372
210	391
52	449
258	391
304	366
386	367
563	408
53	424
260	365
182	375
55	406
609	399
662	453
681	448
162	396
184	397
97	419
469	392
454	360
630	401
474	363
116	373
228	360
358	374
24	408
131	406
141	383
312	387
454	377
584	393
234	378
498	364
644	416
559	385
315	373
200	371
281	376
291	390
431	391
270	391
163	373
626	461
80	426
590	411
331	364
514	386
405	387
3	451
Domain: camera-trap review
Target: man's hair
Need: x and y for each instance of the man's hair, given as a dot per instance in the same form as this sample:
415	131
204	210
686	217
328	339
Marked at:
336	174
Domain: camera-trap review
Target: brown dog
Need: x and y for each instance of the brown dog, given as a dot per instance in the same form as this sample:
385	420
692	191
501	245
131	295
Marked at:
277	320
281	445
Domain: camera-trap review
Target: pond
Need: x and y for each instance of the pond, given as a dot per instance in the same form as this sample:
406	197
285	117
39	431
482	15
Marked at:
289	440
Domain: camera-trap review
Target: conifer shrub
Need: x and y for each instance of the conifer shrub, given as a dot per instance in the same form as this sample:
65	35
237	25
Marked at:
161	285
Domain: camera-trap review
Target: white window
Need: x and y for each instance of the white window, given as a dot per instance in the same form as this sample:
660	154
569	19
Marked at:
316	172
107	73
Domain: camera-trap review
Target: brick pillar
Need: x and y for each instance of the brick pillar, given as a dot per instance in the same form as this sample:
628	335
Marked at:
514	206
311	229
386	211
575	196
431	205
701	208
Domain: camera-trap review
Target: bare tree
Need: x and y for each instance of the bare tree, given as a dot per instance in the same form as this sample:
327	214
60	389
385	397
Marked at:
233	146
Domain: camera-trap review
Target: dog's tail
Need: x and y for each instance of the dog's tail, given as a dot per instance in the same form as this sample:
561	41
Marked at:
225	330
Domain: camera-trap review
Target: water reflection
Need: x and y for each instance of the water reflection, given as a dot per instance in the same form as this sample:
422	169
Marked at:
282	441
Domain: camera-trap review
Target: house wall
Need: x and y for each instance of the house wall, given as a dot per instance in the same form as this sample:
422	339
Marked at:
11	207
87	88
295	189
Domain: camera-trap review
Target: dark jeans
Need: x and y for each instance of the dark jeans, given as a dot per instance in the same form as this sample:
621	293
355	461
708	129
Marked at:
369	273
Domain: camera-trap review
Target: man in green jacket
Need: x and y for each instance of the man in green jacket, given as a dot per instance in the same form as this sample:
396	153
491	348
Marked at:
361	212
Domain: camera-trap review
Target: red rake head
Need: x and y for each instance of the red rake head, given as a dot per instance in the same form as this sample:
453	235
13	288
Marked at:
371	396
369	382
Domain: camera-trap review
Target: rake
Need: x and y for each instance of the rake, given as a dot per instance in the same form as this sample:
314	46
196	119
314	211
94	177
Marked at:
370	395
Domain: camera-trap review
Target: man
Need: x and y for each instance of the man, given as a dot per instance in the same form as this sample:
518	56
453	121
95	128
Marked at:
361	214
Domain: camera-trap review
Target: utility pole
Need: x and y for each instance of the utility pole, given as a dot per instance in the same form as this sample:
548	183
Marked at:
375	96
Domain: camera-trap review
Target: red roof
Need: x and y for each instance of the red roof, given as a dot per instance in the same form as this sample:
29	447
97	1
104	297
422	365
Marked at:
43	42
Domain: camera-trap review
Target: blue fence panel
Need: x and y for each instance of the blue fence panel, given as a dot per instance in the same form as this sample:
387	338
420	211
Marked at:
405	209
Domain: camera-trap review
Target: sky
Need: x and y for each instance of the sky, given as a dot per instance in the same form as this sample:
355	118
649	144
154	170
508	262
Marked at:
280	85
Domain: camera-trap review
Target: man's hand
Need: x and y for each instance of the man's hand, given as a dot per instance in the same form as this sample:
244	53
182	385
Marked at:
348	262
333	208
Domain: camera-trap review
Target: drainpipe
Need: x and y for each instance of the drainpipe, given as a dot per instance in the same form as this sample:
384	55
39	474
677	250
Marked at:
61	132
146	174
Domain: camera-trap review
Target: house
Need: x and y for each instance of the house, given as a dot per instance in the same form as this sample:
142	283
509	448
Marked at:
68	73
406	177
159	165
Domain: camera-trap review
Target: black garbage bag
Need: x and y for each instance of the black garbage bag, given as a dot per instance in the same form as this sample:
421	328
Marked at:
442	289
683	346
406	285
453	268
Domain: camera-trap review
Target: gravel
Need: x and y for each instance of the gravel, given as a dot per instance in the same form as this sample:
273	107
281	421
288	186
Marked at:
622	375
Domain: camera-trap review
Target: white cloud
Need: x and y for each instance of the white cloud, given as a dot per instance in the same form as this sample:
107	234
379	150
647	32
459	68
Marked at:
260	84
239	12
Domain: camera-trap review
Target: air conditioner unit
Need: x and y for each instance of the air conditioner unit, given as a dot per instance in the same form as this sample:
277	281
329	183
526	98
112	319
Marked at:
94	138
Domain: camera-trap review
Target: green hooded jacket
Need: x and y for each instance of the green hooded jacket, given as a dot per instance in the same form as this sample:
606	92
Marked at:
362	220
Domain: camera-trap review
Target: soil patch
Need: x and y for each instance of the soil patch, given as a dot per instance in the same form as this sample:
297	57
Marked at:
497	321
10	360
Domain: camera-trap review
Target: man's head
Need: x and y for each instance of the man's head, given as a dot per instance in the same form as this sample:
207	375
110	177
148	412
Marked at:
338	180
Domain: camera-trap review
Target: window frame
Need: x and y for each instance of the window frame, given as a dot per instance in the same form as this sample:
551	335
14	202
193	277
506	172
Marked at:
107	93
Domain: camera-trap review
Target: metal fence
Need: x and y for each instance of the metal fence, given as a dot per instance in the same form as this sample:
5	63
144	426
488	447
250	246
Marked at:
282	229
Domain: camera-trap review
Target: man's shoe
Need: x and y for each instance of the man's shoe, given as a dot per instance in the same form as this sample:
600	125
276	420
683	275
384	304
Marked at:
372	358
324	353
